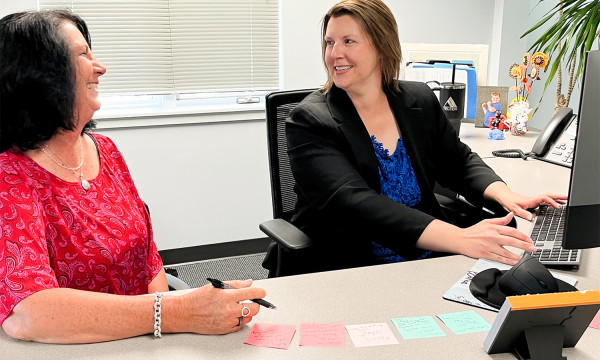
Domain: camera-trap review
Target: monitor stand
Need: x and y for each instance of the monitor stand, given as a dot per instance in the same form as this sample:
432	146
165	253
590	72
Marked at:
540	343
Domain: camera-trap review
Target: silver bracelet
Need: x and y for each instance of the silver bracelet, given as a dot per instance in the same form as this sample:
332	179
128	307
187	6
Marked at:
157	314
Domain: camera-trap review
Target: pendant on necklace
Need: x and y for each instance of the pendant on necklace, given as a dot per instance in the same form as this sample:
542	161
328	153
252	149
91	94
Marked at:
84	183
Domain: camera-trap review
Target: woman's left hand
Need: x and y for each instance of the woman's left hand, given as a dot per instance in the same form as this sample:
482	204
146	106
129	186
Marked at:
517	203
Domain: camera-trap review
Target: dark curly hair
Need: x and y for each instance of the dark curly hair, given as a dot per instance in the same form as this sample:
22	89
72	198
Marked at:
37	77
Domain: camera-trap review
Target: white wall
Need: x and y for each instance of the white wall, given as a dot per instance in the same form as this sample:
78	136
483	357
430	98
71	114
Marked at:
437	22
208	183
518	18
205	183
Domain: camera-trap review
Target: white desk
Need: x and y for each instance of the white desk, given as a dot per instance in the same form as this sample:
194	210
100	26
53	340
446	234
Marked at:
356	296
477	139
526	176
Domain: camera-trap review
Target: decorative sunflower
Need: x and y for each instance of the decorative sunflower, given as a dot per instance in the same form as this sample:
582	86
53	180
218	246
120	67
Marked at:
514	71
524	81
535	73
523	77
526	59
540	59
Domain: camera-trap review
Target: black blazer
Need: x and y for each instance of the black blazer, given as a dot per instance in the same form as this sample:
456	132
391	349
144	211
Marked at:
337	178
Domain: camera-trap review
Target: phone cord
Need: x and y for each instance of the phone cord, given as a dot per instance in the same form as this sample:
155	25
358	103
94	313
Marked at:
512	153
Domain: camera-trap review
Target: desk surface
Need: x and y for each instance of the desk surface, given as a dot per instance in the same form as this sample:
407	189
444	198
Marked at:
357	296
477	139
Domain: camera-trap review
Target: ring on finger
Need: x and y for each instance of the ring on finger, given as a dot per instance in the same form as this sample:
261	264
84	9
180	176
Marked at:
245	311
240	321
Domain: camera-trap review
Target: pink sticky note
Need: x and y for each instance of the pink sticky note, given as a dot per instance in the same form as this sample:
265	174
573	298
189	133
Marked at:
596	322
322	334
271	335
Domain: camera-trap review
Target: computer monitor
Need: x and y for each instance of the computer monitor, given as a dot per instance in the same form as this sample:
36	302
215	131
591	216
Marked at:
582	226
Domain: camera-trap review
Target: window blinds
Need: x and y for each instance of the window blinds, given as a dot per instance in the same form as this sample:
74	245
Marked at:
182	46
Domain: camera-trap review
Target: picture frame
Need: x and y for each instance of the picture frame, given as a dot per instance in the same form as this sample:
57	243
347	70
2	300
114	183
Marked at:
539	326
484	94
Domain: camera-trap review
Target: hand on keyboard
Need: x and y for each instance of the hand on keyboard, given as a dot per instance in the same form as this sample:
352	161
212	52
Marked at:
517	203
488	238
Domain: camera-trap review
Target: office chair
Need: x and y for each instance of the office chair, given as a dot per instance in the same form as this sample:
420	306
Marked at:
288	237
174	282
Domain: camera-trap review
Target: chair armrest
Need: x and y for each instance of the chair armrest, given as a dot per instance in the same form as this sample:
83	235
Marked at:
466	214
176	283
455	204
285	234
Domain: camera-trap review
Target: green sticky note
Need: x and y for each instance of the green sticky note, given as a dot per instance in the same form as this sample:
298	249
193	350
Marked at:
418	327
465	322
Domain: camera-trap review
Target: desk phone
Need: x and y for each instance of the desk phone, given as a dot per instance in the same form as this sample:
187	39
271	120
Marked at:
561	152
555	143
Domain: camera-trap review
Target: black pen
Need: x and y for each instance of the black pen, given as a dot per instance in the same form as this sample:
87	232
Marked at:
221	285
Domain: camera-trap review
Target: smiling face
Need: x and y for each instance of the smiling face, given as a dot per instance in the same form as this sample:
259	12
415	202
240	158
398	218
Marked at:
495	98
352	61
88	70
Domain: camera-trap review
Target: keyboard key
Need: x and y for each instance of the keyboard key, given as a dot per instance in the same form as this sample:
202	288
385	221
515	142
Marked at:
547	235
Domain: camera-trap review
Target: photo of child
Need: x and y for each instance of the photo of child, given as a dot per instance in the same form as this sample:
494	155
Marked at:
490	99
490	108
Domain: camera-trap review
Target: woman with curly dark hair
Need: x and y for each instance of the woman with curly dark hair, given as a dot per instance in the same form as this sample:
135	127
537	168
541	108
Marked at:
75	235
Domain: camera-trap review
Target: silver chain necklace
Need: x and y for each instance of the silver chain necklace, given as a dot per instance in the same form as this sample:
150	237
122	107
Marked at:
84	183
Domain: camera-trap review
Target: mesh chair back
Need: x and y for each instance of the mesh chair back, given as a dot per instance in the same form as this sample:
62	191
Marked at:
279	105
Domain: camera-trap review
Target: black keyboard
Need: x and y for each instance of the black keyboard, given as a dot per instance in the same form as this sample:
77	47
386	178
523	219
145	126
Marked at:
547	236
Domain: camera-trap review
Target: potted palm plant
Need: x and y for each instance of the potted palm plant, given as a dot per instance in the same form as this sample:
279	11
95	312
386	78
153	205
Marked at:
574	25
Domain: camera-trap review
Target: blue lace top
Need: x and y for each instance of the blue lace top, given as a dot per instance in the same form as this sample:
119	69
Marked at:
399	183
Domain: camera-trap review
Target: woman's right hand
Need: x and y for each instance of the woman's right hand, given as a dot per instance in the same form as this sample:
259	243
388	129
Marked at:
208	310
488	238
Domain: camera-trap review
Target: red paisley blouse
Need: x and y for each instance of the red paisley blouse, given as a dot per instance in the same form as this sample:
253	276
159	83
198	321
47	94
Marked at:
55	234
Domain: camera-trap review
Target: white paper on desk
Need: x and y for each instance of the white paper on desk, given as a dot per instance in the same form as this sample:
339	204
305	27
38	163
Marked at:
371	334
425	74
460	290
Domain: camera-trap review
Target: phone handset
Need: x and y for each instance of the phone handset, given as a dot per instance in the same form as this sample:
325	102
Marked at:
555	127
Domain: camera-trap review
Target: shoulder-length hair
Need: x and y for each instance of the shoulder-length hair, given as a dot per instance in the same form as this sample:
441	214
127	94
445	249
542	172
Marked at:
377	21
37	77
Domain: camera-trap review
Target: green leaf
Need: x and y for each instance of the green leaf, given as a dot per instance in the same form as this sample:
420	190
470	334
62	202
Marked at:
576	30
